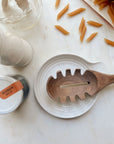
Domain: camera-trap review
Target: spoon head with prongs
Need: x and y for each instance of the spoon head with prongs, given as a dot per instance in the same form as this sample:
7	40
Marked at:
72	85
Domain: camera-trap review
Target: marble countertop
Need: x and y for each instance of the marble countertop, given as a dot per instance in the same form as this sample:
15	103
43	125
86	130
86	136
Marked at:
30	124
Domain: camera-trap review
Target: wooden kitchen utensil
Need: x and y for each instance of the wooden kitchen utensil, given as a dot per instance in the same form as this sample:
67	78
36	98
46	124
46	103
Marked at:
90	83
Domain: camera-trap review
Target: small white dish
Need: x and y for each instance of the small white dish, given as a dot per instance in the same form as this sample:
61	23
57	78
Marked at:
50	68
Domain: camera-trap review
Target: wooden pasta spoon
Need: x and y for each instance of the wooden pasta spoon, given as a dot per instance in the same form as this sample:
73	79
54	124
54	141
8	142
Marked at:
91	82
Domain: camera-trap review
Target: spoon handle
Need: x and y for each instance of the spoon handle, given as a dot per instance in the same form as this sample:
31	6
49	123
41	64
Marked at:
103	80
106	80
111	78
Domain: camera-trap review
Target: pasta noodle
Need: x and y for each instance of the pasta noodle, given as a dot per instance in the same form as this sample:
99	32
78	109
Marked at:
109	42
95	1
62	12
91	37
81	25
93	23
112	8
73	13
57	3
102	6
61	29
83	33
111	14
100	1
103	3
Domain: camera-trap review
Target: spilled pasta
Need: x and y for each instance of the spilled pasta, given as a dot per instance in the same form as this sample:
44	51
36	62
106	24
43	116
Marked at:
95	24
109	42
61	29
63	11
91	37
57	3
75	12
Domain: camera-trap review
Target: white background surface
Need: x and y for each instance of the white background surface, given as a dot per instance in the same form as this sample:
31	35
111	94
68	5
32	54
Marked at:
30	124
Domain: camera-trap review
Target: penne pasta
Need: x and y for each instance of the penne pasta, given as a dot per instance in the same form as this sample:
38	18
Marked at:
95	1
109	42
61	29
103	3
102	6
83	33
111	14
62	12
95	24
73	13
99	1
112	8
81	25
91	37
57	3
